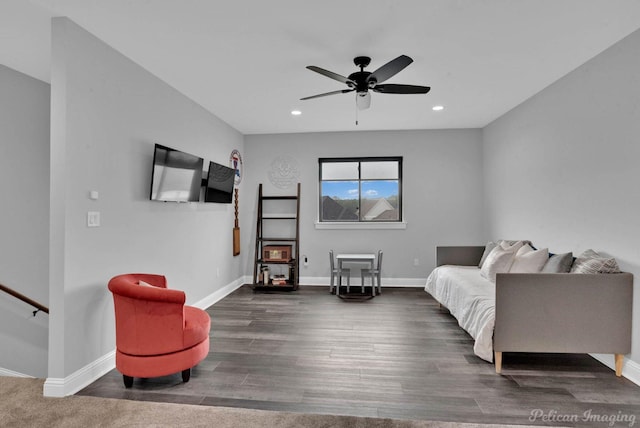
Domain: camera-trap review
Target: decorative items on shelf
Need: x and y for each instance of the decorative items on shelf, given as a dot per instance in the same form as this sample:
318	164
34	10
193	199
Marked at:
276	253
279	280
264	275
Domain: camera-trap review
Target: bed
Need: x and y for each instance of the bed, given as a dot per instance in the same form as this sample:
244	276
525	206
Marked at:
534	312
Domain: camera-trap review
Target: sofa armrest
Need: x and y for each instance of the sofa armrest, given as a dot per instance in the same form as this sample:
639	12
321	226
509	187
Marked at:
577	313
460	255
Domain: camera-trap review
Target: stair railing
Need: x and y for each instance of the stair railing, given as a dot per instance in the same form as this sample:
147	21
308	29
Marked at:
25	299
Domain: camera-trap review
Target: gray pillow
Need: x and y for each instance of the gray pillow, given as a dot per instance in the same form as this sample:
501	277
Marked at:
592	262
487	249
558	263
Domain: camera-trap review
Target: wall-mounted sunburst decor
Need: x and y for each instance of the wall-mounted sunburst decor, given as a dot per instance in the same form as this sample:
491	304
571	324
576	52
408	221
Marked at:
284	172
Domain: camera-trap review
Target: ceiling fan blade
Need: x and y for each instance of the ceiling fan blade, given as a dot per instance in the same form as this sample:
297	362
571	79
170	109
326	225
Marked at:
331	75
390	69
391	88
342	91
363	101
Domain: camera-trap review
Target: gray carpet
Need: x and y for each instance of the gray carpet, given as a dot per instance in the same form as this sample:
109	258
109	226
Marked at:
22	405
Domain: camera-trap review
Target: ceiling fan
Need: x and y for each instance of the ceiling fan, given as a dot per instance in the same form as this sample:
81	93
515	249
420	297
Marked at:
363	81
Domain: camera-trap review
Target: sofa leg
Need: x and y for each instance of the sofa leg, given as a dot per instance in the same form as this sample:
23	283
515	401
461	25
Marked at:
128	381
186	375
619	361
497	359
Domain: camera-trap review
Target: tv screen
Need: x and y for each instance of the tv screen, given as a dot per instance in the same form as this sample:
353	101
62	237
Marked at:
177	176
219	186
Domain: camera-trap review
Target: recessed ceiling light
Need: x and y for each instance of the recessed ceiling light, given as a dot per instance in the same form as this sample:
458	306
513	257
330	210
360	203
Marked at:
437	108
296	112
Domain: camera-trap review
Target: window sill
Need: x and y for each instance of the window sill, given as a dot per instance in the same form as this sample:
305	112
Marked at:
349	225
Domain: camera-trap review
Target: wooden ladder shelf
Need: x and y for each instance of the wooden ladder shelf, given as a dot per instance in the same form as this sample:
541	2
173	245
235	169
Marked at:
272	251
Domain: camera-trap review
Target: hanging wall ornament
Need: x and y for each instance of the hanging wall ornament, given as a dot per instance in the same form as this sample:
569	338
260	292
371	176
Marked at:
235	162
236	228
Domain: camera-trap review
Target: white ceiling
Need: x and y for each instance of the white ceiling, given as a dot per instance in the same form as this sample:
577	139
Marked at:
244	60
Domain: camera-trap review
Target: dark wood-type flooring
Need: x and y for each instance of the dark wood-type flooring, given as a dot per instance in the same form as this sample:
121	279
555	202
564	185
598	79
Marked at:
397	355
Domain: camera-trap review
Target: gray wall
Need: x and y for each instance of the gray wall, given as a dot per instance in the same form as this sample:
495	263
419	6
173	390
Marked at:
24	220
107	113
442	195
562	168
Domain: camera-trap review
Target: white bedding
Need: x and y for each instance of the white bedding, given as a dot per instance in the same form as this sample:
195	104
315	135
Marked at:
471	299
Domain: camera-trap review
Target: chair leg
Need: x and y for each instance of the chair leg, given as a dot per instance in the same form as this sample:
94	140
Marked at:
363	275
128	381
379	283
373	286
186	375
331	286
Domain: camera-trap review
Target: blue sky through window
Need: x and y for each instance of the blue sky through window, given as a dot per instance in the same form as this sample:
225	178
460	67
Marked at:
370	189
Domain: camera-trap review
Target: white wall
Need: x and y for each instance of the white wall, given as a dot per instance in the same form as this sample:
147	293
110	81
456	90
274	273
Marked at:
24	220
562	168
442	196
107	112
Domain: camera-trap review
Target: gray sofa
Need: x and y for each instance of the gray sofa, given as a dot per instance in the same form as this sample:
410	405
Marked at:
555	312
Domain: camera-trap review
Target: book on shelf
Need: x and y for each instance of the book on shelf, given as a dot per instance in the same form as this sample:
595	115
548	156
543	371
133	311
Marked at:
279	280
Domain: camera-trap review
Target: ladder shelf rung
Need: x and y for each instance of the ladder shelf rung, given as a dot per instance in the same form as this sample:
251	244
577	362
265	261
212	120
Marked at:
278	239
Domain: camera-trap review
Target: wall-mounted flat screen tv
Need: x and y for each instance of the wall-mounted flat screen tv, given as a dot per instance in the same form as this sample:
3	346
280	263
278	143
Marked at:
177	176
219	187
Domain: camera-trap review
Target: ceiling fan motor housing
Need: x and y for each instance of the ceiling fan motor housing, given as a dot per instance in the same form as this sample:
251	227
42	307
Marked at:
362	81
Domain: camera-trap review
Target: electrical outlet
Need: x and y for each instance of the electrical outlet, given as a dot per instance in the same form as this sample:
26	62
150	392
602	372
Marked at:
416	262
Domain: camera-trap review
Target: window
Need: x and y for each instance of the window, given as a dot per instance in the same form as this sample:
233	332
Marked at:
361	189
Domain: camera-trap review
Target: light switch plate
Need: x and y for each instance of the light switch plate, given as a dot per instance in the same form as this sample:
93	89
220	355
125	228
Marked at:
93	219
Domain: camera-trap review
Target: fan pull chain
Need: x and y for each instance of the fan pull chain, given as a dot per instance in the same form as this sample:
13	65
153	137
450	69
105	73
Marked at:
356	110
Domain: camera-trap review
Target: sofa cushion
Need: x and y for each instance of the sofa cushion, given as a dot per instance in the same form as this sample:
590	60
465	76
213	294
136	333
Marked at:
592	262
558	263
499	260
528	260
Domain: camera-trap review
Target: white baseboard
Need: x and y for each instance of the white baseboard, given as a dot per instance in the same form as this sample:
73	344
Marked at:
11	373
630	369
61	387
220	294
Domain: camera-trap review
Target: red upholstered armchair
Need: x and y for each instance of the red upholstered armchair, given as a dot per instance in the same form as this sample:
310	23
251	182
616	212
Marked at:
156	334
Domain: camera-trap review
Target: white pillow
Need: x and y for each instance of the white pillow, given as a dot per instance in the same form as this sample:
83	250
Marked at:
511	245
528	260
499	260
